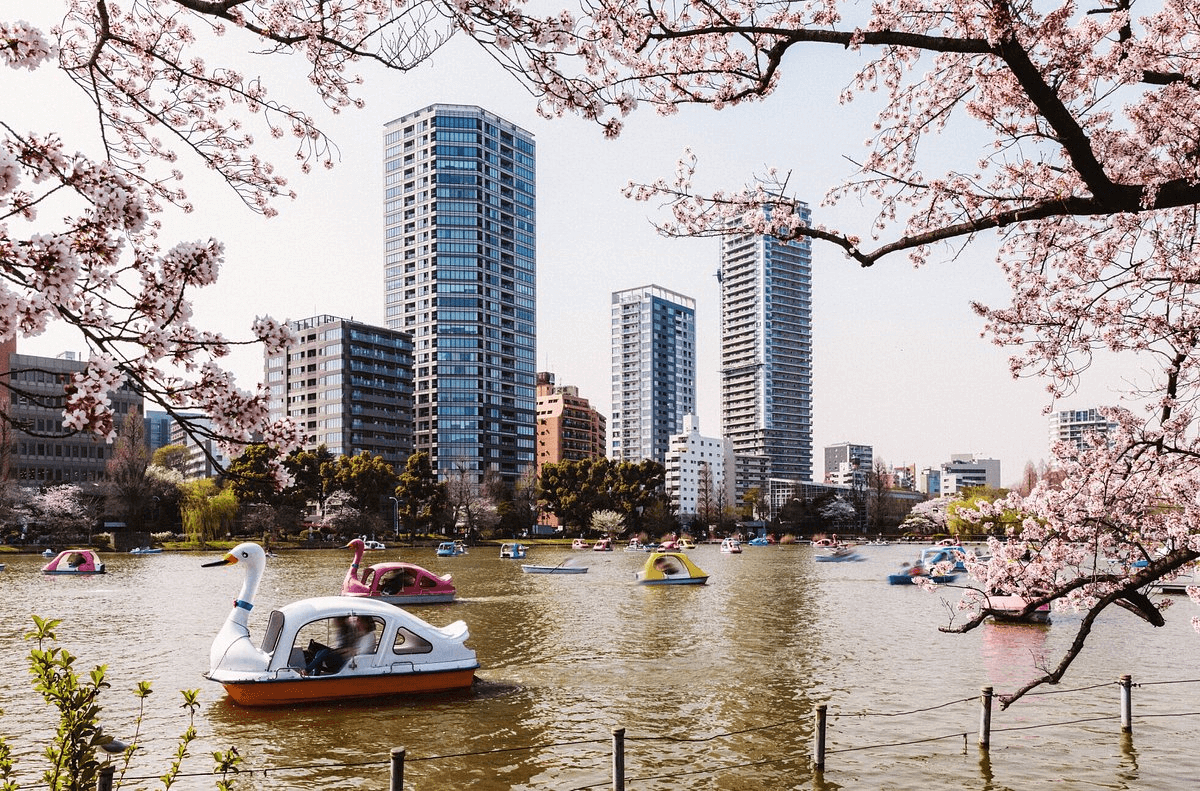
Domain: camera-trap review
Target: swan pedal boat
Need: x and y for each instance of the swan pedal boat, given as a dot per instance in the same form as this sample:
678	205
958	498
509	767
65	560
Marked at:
1008	609
409	656
731	546
75	561
450	549
396	582
670	568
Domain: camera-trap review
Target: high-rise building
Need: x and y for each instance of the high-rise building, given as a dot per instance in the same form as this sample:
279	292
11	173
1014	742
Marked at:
653	370
766	350
569	429
460	236
348	385
1075	426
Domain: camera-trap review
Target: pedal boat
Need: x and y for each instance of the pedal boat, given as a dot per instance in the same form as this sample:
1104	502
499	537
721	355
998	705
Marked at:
731	546
395	582
410	656
670	568
513	551
75	561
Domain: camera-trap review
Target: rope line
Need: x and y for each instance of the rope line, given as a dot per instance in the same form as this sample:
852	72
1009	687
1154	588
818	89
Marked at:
715	735
906	713
958	735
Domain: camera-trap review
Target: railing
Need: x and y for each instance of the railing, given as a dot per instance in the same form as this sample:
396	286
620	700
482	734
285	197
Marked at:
816	761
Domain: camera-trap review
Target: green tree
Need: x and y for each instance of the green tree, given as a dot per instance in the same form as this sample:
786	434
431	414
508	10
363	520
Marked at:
307	484
421	499
574	490
250	475
969	501
366	477
207	512
126	488
752	504
173	457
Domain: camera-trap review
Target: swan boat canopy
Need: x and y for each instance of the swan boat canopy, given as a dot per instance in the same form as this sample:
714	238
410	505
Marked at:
513	551
670	568
304	656
75	561
396	582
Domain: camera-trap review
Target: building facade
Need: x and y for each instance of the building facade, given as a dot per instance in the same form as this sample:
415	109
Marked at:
38	450
848	464
569	429
1076	426
653	371
964	471
699	474
460	240
349	385
766	350
203	456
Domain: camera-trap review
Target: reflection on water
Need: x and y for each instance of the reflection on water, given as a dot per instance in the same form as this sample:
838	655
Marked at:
694	674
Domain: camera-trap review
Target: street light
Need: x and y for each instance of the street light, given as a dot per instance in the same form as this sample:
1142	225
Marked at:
395	517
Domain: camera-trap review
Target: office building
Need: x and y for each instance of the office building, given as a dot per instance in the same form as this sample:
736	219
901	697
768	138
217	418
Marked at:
203	456
653	370
1076	426
348	385
37	450
460	238
766	350
964	471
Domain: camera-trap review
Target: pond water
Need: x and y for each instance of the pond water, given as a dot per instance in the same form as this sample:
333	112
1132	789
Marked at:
715	685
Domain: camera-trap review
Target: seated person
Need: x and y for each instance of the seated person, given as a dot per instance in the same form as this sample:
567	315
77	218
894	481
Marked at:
355	636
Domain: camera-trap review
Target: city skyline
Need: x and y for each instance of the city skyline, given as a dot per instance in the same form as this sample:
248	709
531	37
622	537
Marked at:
899	363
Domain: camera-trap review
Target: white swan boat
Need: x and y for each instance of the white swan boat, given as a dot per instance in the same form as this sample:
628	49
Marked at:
300	659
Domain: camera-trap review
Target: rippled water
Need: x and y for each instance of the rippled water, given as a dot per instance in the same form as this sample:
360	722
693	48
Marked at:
693	674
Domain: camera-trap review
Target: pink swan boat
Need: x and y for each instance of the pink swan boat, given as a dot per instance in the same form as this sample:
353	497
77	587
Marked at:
395	582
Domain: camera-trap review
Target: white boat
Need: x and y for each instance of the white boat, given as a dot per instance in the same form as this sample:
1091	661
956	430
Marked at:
731	546
561	568
393	653
372	545
146	551
580	543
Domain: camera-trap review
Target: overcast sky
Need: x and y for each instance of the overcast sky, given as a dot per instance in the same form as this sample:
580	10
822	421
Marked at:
899	363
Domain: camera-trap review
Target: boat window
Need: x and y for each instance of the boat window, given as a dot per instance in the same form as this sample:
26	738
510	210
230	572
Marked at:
271	636
395	581
409	643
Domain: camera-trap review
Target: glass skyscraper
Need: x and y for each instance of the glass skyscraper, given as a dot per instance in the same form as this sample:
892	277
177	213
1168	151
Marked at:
459	228
653	370
766	350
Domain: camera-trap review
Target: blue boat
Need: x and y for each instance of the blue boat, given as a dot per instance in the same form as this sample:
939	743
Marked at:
761	541
929	558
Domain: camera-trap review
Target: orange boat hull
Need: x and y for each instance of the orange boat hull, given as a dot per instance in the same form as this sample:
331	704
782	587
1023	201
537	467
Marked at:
325	688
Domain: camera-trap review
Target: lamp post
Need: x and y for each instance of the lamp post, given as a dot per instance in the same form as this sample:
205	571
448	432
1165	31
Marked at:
395	517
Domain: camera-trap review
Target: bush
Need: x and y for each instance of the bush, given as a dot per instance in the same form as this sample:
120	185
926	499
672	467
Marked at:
72	752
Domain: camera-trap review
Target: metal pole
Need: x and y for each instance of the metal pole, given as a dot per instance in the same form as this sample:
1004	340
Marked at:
819	738
618	759
105	780
1126	705
397	769
985	718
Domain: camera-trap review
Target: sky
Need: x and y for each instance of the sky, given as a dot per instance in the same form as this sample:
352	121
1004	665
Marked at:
898	359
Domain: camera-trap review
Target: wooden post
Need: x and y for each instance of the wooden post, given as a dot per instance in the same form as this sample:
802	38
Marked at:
105	780
618	759
397	769
985	718
819	738
1126	705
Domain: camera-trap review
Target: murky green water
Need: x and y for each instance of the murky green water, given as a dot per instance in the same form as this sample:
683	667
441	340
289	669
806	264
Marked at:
715	686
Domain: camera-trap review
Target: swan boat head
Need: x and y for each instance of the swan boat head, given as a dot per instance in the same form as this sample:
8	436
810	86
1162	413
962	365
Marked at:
232	649
352	585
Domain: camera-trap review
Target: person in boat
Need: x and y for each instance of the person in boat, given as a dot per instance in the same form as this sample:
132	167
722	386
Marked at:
354	636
